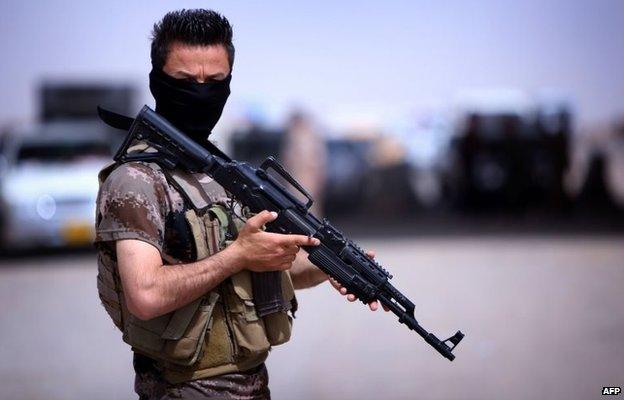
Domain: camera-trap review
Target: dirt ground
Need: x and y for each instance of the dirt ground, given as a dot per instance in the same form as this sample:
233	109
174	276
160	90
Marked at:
542	316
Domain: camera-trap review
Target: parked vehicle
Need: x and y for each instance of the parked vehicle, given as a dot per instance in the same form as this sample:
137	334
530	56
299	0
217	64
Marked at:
49	186
510	160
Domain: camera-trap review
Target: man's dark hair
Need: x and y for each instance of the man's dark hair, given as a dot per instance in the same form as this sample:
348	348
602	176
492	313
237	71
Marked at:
192	27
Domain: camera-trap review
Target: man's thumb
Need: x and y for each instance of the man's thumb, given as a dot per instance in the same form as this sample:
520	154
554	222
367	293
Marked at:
260	219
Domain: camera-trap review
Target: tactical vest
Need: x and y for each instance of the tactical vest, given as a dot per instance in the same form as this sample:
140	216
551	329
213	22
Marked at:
219	332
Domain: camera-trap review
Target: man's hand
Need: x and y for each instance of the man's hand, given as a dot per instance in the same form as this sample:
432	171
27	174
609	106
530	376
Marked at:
261	251
374	305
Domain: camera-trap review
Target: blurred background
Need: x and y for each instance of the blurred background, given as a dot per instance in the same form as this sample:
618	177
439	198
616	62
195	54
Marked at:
477	147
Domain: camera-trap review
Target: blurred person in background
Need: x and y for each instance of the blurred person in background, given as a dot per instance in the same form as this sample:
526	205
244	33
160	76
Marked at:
305	155
200	317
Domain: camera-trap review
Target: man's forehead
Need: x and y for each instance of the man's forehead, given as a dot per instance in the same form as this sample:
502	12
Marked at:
195	58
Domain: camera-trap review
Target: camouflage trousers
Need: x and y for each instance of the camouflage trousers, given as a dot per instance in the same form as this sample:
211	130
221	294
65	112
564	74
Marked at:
248	385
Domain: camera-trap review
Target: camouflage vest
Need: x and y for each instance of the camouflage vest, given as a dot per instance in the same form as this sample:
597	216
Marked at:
219	332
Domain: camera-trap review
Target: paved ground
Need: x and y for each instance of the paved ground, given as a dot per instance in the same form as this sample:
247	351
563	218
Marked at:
542	316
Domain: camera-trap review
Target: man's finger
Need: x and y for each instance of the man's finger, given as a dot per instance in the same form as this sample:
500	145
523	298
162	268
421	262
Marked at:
351	297
373	305
334	283
260	219
292	249
299	240
370	253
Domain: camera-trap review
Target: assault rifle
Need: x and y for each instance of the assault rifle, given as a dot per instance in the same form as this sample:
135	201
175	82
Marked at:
258	190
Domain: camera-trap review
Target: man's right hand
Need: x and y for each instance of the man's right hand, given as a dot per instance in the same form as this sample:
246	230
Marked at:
261	251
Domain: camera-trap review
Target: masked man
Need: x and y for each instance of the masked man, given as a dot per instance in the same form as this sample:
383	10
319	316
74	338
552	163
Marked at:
200	291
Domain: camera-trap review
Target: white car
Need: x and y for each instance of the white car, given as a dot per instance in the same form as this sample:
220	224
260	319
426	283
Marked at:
48	189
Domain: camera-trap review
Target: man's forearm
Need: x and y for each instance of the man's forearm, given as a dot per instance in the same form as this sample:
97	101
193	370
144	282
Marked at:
177	285
174	286
181	284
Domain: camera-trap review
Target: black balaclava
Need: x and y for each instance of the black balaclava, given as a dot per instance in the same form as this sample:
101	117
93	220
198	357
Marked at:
192	107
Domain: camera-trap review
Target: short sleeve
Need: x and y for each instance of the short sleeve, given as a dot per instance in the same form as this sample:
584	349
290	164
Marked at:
132	204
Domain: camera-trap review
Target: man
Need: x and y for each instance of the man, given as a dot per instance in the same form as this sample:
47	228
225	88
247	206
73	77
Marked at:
198	290
304	157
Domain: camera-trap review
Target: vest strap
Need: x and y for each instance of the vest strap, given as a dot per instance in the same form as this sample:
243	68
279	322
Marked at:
224	221
189	187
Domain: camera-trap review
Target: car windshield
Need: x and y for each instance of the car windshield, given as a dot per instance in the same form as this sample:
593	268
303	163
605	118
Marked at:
61	152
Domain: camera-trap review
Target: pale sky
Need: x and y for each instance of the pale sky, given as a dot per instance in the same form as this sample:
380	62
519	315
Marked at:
334	57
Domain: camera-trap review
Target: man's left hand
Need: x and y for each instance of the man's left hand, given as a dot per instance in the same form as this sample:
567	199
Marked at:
374	305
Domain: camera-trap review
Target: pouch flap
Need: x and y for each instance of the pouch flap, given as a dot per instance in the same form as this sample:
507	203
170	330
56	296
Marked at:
180	320
242	285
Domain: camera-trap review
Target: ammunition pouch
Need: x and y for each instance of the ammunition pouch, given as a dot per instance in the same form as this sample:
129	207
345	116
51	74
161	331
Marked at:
175	337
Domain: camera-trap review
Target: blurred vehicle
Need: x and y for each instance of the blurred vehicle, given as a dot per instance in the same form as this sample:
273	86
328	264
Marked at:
348	166
510	160
255	143
49	186
64	100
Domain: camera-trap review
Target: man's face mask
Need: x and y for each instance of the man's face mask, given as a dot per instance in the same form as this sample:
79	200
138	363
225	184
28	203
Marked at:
192	107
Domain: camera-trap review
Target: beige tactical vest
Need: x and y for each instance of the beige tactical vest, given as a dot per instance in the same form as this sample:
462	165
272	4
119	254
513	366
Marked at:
218	333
